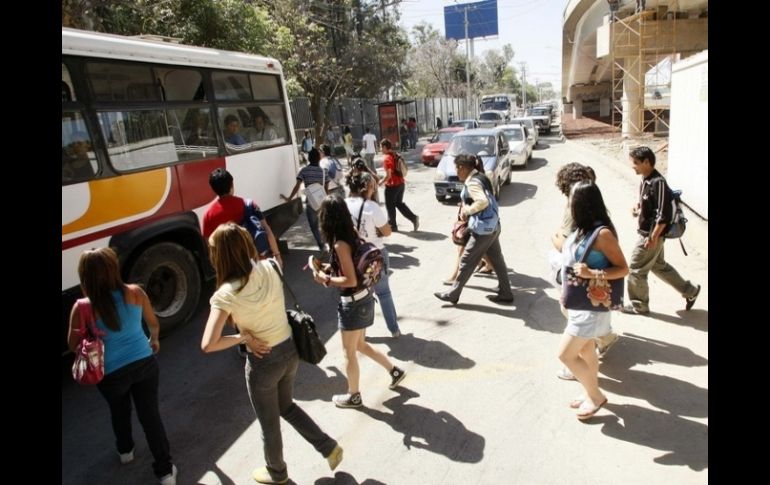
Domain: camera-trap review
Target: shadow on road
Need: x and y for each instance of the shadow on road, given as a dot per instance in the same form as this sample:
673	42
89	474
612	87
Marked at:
435	431
516	193
342	478
427	353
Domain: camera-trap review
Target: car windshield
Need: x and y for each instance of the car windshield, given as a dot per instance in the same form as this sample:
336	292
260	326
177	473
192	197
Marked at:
489	116
527	123
514	134
472	144
539	112
445	136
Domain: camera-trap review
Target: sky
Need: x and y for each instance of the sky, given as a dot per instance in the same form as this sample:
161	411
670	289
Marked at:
532	27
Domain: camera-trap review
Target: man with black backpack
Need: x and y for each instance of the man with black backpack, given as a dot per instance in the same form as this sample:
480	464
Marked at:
654	211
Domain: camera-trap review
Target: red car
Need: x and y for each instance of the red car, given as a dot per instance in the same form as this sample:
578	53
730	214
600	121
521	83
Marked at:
432	152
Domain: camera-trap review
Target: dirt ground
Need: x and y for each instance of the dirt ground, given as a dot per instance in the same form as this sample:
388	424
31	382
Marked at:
599	134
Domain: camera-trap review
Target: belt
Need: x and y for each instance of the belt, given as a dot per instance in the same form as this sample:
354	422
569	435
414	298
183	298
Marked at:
356	296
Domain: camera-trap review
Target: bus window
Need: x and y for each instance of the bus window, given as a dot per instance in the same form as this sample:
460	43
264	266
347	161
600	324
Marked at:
78	162
67	93
251	127
193	133
265	87
180	84
122	82
137	139
231	86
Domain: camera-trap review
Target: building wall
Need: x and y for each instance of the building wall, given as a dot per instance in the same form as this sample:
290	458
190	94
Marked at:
688	149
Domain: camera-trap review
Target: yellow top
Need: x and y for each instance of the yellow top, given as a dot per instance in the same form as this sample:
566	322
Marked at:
258	307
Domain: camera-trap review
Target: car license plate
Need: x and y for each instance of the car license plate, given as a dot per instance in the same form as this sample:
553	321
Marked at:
459	186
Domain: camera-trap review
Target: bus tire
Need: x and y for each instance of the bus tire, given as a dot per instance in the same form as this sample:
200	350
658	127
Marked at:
169	275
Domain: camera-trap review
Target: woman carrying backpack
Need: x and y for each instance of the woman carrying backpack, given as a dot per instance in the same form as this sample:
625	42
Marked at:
356	308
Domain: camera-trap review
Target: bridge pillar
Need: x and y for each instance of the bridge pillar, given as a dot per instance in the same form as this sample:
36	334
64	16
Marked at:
577	109
632	106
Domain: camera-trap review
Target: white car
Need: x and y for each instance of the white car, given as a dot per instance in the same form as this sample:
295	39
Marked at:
531	126
519	144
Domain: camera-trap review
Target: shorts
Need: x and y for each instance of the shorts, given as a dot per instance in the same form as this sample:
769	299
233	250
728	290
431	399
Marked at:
356	315
588	324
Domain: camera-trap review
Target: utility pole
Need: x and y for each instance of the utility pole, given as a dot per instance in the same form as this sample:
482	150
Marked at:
523	84
467	66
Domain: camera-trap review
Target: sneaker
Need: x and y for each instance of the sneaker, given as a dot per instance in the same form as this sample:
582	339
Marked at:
347	400
604	343
262	475
565	374
416	223
632	310
169	479
396	334
396	376
335	457
126	458
691	301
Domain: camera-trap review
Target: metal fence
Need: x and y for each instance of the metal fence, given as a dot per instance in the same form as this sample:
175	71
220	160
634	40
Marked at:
359	113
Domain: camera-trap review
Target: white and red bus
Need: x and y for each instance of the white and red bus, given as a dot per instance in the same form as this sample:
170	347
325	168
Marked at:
143	126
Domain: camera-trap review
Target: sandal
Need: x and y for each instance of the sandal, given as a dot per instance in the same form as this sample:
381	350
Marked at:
575	403
448	282
586	412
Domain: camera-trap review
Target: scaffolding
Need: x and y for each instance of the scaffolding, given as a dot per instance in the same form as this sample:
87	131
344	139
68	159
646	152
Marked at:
639	43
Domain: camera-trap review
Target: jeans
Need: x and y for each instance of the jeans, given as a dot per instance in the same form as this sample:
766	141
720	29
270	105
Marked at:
394	199
270	383
137	380
382	290
312	221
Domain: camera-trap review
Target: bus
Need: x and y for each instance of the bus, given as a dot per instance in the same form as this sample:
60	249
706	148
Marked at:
498	102
143	125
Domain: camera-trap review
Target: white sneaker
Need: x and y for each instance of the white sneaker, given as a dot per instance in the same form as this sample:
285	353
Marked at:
169	479
126	458
565	374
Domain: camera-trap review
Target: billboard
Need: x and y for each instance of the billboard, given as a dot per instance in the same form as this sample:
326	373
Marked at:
482	20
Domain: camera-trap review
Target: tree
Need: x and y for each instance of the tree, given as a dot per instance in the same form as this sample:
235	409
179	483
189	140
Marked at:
495	74
435	66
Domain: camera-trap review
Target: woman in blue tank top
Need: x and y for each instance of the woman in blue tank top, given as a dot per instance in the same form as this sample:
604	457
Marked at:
605	260
130	368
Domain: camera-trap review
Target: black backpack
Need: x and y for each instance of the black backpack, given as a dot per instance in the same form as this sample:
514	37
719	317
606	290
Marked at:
252	221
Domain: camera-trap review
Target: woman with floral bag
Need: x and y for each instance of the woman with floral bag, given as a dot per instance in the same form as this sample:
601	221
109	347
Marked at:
130	367
605	261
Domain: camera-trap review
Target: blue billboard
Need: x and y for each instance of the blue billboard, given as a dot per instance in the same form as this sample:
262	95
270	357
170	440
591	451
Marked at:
482	20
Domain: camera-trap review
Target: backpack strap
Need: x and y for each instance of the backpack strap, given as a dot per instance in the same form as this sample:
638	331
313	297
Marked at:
360	212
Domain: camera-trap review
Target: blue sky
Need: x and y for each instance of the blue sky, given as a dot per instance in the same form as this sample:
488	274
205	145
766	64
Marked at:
532	27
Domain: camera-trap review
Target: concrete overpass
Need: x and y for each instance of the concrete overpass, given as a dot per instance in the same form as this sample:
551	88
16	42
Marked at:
610	46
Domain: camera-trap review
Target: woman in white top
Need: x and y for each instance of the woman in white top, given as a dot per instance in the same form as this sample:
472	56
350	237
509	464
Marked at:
250	294
372	225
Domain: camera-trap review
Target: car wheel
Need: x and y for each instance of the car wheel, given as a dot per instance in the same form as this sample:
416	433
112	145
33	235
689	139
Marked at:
508	178
169	275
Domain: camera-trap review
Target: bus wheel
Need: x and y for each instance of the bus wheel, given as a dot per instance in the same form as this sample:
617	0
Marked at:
170	277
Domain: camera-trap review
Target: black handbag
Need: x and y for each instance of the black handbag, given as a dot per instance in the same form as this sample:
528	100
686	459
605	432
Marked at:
310	347
593	294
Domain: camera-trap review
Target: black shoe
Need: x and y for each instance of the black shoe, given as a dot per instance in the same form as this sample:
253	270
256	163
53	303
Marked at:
631	310
444	297
500	299
691	301
396	376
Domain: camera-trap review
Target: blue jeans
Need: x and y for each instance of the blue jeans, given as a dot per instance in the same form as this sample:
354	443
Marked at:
312	221
382	290
137	380
270	382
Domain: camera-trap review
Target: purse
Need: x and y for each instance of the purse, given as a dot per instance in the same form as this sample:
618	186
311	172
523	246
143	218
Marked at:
460	232
88	368
593	294
310	347
315	193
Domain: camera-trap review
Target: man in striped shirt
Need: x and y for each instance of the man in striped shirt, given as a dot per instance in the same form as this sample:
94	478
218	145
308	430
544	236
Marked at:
654	211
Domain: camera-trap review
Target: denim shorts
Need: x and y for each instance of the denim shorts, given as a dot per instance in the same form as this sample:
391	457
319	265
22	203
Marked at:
587	324
356	315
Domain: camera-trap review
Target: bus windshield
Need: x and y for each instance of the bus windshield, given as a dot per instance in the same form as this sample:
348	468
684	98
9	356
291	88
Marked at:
499	103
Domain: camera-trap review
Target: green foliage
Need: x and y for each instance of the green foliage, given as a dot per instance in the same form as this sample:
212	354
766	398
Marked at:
435	66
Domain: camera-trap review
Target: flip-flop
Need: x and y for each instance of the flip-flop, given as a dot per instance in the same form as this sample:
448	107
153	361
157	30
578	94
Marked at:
448	282
575	403
589	413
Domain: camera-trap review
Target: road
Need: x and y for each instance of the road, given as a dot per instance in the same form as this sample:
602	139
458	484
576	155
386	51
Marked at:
480	402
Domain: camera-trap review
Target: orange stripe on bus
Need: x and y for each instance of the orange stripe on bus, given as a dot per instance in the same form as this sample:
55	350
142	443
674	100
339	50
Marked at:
121	197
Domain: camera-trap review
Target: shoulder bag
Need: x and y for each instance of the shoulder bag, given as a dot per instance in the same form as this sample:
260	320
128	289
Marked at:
310	347
88	368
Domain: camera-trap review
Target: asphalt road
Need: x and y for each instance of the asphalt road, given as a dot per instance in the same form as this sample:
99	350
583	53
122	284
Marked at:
480	402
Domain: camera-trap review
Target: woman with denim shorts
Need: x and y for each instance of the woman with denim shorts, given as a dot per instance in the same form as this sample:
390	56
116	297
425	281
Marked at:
250	295
356	308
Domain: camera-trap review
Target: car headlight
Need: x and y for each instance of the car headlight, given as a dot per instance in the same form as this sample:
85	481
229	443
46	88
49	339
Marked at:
440	176
426	152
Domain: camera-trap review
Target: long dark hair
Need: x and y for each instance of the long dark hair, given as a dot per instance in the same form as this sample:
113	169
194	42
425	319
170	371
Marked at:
335	221
588	209
99	274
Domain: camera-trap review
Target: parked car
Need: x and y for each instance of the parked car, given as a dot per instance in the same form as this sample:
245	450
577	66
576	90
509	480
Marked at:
467	124
488	143
531	127
520	143
432	152
492	118
542	117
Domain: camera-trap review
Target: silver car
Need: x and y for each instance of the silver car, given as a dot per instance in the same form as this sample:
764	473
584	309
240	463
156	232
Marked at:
488	143
520	143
